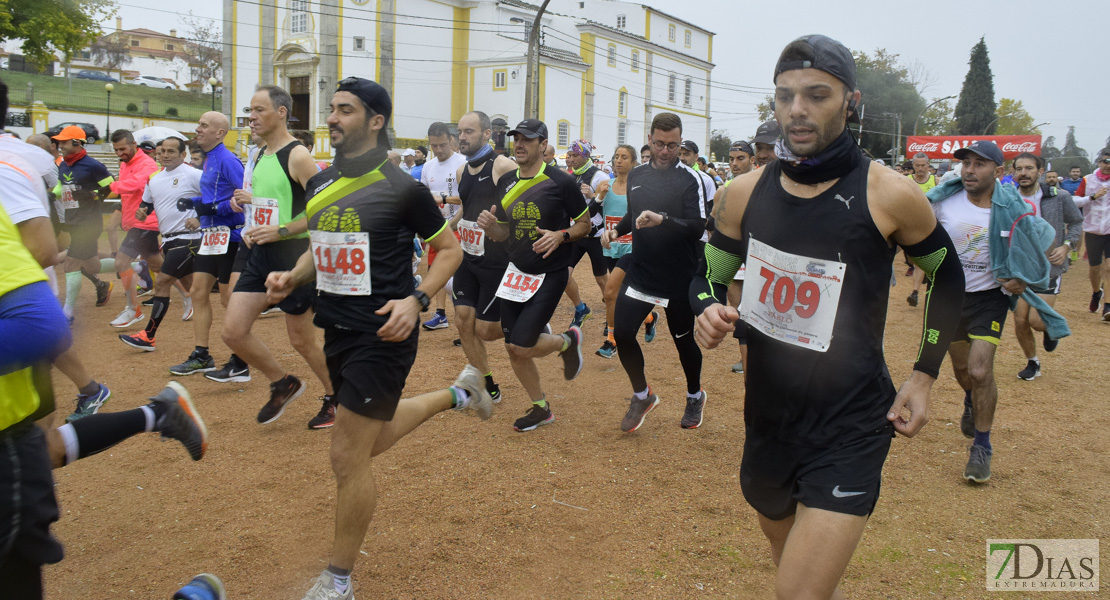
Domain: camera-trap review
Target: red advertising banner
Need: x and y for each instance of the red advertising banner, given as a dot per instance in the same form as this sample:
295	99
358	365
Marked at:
942	146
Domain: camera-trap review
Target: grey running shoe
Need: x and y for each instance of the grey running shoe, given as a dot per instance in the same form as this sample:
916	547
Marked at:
324	589
282	392
194	364
1048	343
475	385
536	416
967	423
1031	371
691	419
89	405
978	467
912	298
182	422
738	367
572	356
637	410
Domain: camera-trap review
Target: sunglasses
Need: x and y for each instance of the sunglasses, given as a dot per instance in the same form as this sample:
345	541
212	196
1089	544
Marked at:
1105	161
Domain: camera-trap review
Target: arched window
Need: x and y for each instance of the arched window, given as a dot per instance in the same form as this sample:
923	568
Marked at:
622	103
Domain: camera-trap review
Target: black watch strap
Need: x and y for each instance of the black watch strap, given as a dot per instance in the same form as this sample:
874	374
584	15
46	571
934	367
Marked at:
421	297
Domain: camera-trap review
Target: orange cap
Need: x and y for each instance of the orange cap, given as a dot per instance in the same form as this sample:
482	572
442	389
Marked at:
70	132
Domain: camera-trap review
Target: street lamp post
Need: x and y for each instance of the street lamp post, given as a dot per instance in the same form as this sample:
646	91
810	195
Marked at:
988	127
935	102
108	110
212	84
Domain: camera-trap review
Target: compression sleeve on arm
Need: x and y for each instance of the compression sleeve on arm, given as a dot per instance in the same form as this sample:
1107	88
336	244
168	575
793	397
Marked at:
204	209
624	227
944	297
723	257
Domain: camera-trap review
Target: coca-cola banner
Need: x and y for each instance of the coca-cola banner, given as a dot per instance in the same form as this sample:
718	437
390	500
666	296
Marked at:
942	146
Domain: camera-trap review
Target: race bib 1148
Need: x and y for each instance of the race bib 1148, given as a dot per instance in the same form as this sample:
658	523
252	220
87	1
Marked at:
342	262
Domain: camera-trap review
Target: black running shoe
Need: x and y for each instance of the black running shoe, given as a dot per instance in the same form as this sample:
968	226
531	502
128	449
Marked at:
1049	343
1093	307
637	411
326	417
572	356
194	364
1031	371
231	372
282	392
912	298
691	419
181	421
494	393
536	416
104	292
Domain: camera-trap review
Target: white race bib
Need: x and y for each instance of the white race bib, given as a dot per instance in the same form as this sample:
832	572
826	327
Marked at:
792	298
68	202
517	286
610	224
342	262
740	272
215	240
472	238
638	295
261	212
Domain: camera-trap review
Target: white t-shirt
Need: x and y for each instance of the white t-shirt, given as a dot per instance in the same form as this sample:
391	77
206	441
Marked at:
440	178
710	190
164	189
35	163
1034	200
969	227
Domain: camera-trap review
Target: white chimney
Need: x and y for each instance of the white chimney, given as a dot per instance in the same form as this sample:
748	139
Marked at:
119	23
173	33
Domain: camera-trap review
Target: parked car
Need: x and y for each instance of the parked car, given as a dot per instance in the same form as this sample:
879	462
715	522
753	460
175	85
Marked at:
92	134
96	76
152	81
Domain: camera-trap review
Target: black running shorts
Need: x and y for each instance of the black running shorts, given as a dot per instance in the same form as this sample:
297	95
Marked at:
179	256
219	266
279	256
475	287
523	322
368	375
1098	247
84	238
591	246
139	242
775	475
983	316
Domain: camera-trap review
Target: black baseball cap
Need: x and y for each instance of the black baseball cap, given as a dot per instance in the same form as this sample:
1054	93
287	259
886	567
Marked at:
768	133
742	146
987	149
374	96
689	145
824	54
531	129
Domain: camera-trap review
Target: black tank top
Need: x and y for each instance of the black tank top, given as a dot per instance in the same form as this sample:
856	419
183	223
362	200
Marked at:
797	394
479	193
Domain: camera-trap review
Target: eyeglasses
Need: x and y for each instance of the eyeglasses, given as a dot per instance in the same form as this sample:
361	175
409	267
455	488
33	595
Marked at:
660	145
1105	161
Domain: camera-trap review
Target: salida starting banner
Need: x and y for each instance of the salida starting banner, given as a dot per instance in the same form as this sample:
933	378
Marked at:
942	146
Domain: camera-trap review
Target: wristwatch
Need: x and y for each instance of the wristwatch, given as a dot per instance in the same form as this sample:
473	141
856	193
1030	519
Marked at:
442	198
1070	245
423	299
664	219
283	232
566	236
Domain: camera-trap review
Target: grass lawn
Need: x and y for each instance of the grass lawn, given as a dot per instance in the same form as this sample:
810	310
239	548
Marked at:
87	95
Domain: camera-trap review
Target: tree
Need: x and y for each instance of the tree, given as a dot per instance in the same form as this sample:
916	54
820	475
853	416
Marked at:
49	26
975	111
719	143
1013	119
1049	151
204	48
764	109
111	52
937	120
888	97
1073	155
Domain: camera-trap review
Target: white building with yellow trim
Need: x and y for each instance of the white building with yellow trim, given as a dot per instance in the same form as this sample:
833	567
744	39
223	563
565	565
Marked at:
606	66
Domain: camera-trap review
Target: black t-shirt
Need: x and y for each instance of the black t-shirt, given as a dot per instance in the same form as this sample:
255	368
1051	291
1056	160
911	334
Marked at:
549	201
368	194
81	183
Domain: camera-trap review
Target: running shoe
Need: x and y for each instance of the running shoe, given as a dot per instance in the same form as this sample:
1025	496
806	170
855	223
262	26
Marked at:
282	392
231	372
474	383
637	411
194	364
495	394
145	282
1031	371
738	367
912	298
691	419
572	356
978	467
144	293
104	292
581	315
271	311
437	321
139	340
649	328
127	318
182	422
326	417
456	342
1106	313
203	587
1093	306
607	350
324	589
1048	343
90	405
535	417
909	271
148	301
188	305
967	423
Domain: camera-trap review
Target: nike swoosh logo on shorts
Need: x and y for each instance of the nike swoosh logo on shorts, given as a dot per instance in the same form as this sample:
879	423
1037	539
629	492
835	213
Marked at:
636	187
681	334
839	494
483	178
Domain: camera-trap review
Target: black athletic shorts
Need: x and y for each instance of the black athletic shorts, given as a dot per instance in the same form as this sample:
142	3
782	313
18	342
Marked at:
983	316
140	242
591	246
179	256
241	258
523	322
1098	247
84	238
1053	287
775	475
219	266
27	503
475	286
278	256
368	375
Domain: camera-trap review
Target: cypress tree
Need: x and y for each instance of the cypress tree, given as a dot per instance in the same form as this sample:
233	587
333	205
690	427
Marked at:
975	111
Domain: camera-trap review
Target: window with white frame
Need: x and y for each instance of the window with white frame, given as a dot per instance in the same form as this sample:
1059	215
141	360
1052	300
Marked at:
360	44
689	38
689	91
612	55
564	134
622	132
299	11
622	103
499	80
635	60
670	33
622	21
671	88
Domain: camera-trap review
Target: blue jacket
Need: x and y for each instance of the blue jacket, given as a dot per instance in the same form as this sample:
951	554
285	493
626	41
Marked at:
223	174
1018	242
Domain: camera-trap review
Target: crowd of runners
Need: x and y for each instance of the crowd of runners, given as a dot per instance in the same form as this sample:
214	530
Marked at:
800	215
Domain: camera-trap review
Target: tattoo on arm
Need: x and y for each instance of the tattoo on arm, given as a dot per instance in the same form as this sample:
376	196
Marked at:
719	205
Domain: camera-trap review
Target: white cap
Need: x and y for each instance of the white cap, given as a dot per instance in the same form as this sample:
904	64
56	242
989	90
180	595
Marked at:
409	152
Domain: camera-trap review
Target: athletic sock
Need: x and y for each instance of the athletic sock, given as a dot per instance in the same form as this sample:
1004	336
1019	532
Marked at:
1035	359
157	312
238	362
566	342
127	278
650	318
202	351
441	312
460	398
340	578
73	289
96	433
967	398
89	389
642	395
982	438
491	386
693	396
542	402
107	265
612	338
580	308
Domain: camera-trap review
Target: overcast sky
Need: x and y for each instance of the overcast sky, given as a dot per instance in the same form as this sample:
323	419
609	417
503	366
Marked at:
1042	58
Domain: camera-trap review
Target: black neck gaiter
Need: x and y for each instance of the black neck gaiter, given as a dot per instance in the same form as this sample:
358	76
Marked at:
835	161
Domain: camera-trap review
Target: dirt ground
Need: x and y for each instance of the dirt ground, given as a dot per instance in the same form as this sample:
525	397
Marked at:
577	509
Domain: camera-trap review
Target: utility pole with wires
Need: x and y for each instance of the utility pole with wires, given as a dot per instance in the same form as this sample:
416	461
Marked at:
532	80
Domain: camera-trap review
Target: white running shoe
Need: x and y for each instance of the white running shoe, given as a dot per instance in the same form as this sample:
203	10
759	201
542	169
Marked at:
188	314
324	589
127	318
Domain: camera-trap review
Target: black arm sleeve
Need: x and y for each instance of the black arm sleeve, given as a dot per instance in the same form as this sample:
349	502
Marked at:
205	209
692	220
625	226
944	297
723	257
